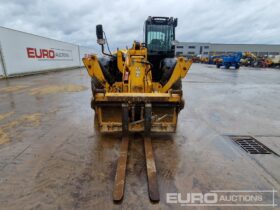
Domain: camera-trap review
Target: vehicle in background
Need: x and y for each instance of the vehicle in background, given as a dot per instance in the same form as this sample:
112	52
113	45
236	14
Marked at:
275	61
230	60
248	59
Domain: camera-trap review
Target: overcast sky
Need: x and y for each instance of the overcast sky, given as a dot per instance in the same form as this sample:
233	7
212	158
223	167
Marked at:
222	21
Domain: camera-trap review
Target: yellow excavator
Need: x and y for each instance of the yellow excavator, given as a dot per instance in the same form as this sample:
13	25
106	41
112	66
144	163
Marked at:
248	59
138	90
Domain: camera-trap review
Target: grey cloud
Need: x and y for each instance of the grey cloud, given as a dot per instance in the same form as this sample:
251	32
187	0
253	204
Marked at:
227	21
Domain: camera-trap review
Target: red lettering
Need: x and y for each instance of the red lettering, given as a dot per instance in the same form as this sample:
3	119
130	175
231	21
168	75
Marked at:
40	55
51	54
30	52
45	53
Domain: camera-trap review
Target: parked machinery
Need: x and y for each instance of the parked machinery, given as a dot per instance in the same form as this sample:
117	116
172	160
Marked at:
204	60
275	61
139	90
248	59
214	59
263	62
196	59
230	60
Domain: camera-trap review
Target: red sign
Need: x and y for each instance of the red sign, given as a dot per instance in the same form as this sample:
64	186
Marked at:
41	53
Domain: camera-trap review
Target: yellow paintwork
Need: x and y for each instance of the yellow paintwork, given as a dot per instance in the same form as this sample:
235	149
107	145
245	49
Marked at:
120	61
180	71
250	55
167	97
136	87
138	71
94	69
204	59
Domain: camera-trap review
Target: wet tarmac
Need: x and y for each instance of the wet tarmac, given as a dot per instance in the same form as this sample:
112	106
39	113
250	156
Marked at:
51	157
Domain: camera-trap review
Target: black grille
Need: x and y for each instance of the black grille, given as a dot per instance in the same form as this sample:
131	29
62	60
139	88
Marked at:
251	145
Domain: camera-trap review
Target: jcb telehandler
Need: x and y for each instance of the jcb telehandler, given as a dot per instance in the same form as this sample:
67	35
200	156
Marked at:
138	90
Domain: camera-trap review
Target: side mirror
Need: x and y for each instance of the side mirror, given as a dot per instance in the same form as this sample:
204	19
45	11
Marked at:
175	22
99	35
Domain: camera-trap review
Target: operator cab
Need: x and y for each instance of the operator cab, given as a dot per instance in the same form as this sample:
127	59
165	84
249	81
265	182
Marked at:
159	34
159	37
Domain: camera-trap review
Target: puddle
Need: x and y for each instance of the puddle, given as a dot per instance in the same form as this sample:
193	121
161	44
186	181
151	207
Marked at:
26	120
13	89
4	116
4	138
52	89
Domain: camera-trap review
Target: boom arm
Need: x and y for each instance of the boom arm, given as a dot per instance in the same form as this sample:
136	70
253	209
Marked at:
180	71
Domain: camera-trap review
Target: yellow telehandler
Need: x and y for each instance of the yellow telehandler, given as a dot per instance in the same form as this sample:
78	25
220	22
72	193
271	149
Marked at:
138	90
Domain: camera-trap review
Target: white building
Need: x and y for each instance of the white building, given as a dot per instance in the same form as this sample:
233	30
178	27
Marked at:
25	53
189	49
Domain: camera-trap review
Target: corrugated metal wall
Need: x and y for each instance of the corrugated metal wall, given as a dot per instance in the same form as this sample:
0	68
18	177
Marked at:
197	48
2	71
24	53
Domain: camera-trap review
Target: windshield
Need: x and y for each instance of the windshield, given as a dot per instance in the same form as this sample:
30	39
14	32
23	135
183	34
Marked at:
159	37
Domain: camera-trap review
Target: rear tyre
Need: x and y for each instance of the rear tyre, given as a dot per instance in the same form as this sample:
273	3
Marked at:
177	85
168	65
104	63
95	84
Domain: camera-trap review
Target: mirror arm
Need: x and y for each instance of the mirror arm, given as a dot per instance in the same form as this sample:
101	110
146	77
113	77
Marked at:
103	51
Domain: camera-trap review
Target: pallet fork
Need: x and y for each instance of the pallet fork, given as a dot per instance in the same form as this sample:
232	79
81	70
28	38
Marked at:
149	156
138	90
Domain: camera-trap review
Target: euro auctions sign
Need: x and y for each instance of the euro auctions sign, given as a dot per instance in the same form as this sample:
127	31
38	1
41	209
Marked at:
49	54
